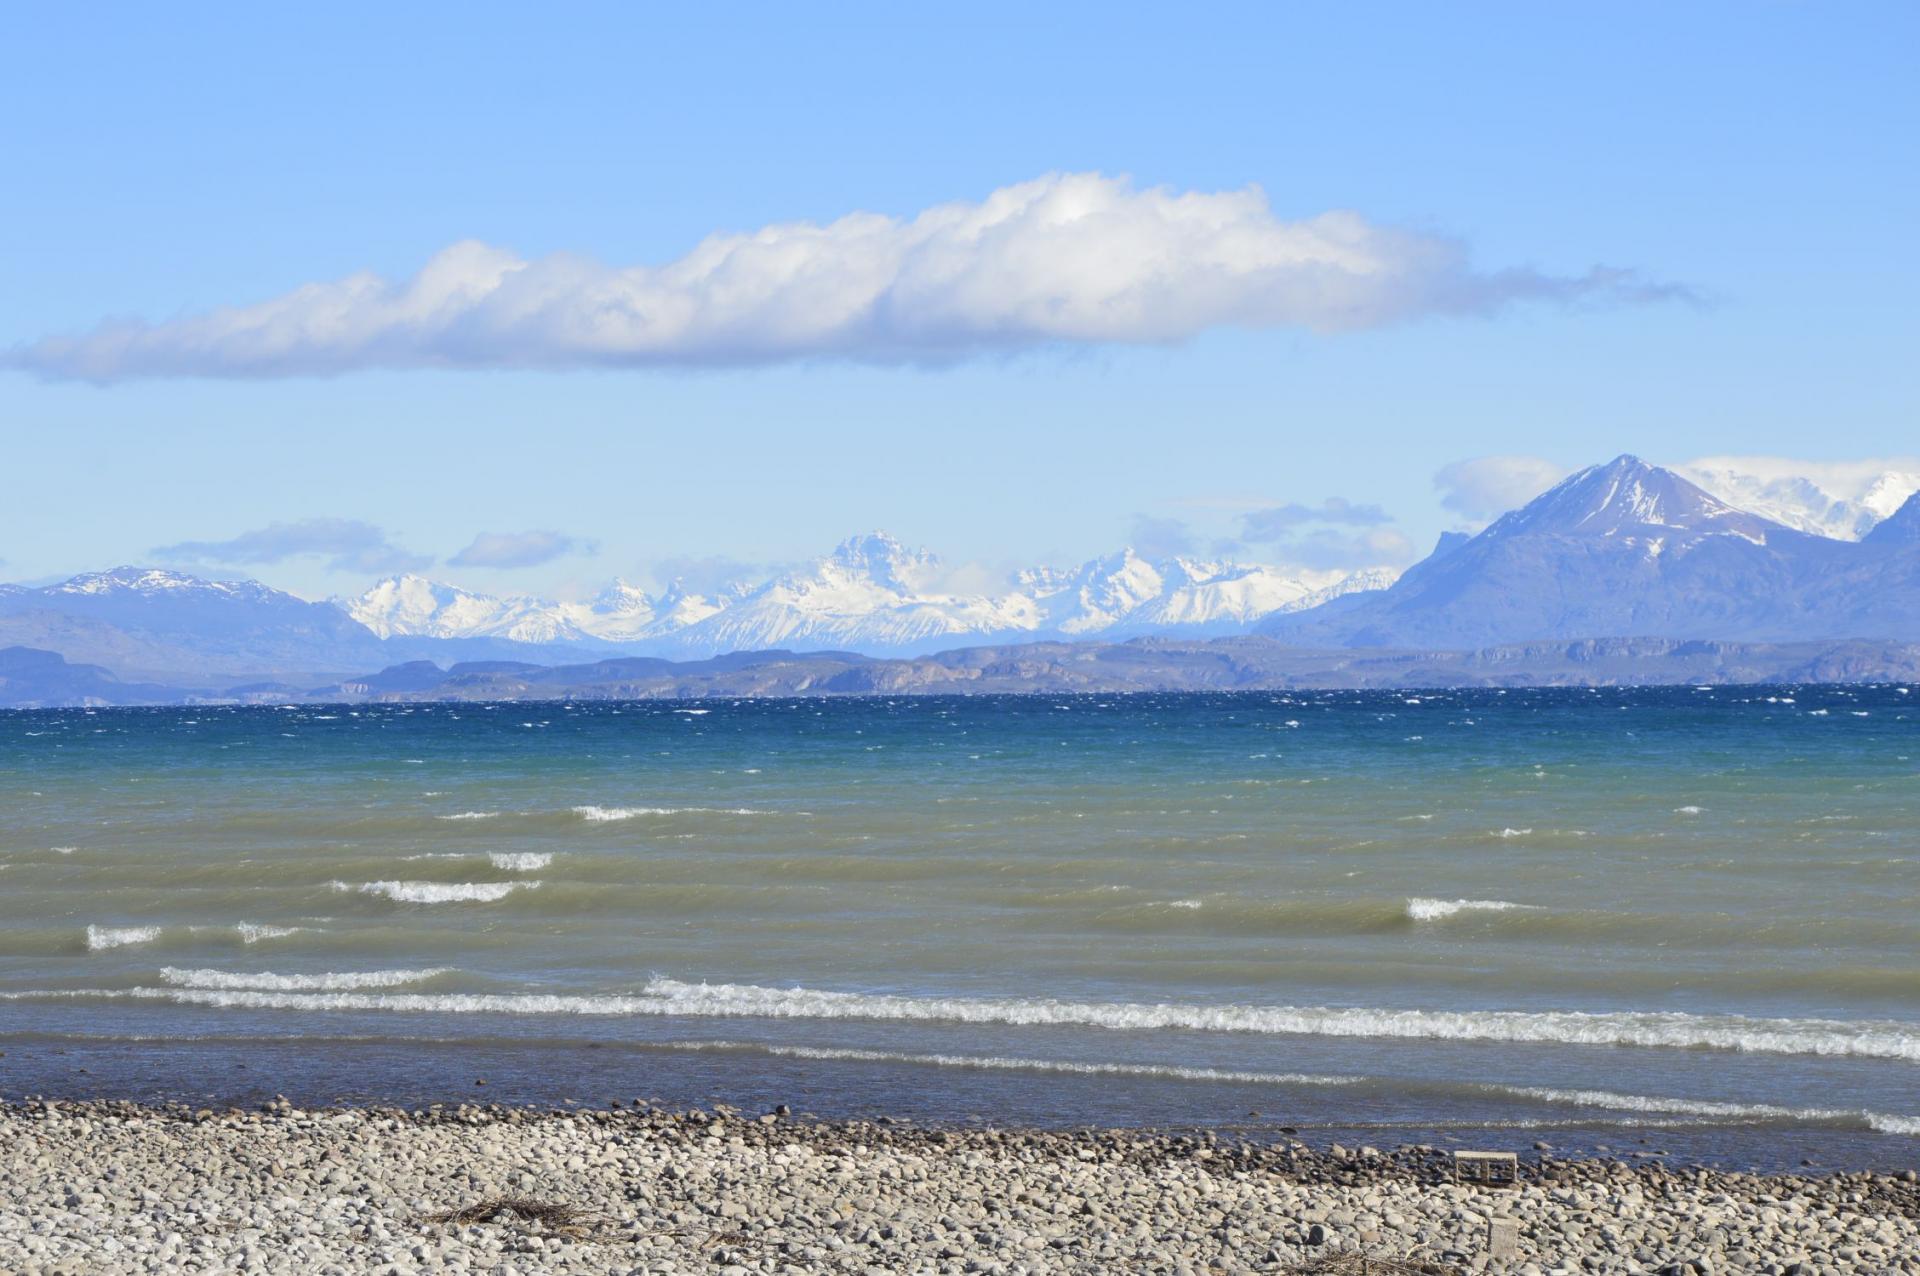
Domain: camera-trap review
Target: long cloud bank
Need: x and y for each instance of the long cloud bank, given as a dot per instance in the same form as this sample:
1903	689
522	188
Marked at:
1066	259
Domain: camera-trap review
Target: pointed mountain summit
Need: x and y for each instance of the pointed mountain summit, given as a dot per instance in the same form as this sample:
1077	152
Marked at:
1628	497
1616	550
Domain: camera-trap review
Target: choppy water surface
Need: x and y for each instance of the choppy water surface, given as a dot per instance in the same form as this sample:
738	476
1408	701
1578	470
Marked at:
1664	918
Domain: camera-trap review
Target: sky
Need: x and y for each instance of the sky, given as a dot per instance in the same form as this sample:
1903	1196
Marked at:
529	298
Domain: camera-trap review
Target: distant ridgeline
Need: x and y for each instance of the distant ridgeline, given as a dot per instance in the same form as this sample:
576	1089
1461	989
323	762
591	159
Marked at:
1623	573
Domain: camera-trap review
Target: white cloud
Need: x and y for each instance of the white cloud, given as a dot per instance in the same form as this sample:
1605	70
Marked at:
1063	259
1332	549
517	549
348	545
1486	487
1160	537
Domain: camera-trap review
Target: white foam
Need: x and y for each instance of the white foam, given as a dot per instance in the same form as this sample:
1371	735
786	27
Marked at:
520	861
1883	1122
1429	910
329	982
1514	833
1174	1071
253	933
102	937
440	892
608	814
470	815
1870	1039
63	850
1688	810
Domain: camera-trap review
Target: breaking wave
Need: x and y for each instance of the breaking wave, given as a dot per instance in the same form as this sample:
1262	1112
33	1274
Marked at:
1881	1039
1643	1104
253	933
609	814
104	937
520	861
329	982
1428	910
439	892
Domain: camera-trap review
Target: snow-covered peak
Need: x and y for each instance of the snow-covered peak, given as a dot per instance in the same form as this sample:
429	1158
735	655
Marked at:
1627	497
415	606
151	581
1840	499
871	593
883	560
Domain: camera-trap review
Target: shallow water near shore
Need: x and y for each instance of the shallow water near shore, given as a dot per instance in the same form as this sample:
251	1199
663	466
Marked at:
1594	917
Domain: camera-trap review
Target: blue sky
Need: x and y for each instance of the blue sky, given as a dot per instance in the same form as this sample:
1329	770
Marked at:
166	163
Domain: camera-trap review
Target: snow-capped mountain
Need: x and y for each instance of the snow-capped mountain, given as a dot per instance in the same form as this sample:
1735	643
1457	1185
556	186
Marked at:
143	621
415	606
1126	594
1629	549
622	614
1843	500
871	594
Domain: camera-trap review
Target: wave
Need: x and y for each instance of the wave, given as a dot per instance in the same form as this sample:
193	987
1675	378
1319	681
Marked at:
609	814
1880	1121
1428	910
329	982
1177	1072
253	932
470	815
104	937
520	861
1652	1105
670	997
439	892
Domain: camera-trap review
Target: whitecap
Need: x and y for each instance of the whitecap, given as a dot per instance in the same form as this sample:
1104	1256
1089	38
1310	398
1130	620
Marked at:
1427	910
607	814
1689	810
520	861
1868	1039
1885	1123
440	892
253	932
103	937
470	815
266	982
1527	832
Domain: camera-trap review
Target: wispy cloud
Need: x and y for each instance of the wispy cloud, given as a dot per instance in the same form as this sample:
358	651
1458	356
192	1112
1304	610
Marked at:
518	549
1160	537
1330	549
1066	259
348	545
1278	521
1486	487
1335	534
706	573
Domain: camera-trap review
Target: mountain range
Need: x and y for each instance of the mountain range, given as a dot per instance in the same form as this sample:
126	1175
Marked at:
1624	550
874	595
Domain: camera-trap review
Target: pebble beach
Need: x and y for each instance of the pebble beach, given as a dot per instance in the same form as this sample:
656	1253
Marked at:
108	1187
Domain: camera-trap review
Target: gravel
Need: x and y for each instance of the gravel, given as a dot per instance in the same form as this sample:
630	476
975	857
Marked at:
105	1187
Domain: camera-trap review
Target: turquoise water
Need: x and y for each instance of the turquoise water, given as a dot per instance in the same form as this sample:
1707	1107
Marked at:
1678	915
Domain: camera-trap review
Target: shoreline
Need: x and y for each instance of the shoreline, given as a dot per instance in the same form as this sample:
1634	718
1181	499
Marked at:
102	1186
